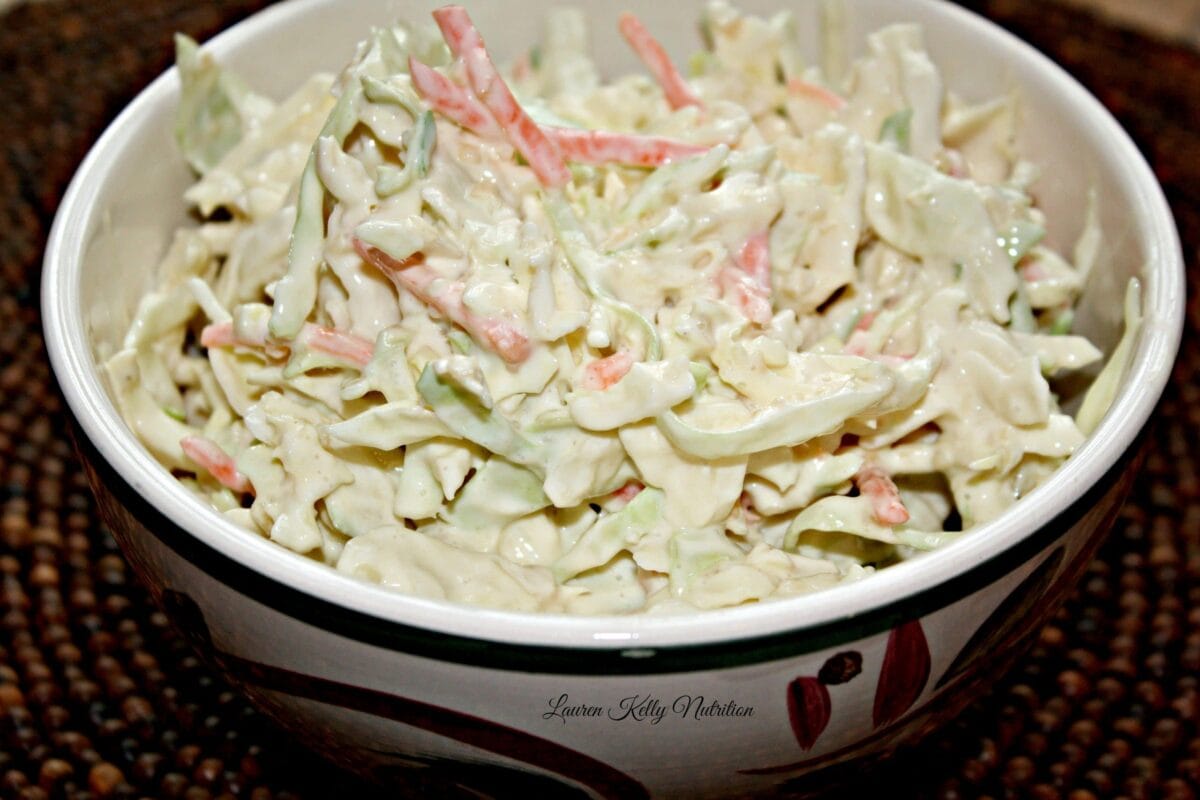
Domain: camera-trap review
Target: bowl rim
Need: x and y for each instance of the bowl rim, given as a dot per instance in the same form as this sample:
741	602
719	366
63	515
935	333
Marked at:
868	606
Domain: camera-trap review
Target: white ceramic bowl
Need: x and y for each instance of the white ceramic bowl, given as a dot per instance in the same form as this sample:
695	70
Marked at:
617	706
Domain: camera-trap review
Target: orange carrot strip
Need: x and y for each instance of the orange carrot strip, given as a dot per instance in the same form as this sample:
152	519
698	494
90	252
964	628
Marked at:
524	134
747	294
856	345
583	146
451	100
1032	271
221	334
457	28
652	54
627	492
605	147
343	346
413	276
466	43
885	497
218	334
812	91
755	260
216	462
604	372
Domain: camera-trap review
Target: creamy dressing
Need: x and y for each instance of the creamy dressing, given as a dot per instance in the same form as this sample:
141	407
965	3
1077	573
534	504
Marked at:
789	350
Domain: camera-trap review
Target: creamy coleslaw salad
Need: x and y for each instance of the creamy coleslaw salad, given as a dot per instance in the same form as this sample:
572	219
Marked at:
542	342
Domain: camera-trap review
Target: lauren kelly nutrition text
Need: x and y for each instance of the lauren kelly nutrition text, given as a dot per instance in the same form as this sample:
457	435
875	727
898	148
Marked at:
647	708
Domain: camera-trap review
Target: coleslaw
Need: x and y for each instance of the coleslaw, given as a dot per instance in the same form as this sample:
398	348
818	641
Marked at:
537	341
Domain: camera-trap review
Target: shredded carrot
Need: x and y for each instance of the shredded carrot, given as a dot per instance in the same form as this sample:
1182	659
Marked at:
857	344
755	260
415	277
463	108
604	372
216	462
627	492
487	84
582	146
343	346
605	147
501	337
451	100
1032	270
219	334
886	504
747	294
460	33
652	54
827	98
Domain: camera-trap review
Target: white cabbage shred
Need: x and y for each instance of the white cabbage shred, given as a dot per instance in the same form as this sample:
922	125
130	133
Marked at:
811	343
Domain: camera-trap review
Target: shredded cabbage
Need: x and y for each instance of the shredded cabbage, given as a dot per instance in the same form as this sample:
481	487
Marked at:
541	342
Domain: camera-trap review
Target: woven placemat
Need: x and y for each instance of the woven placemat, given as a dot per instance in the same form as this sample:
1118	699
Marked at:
99	698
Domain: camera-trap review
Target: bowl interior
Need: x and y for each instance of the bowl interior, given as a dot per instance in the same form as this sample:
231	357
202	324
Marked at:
126	200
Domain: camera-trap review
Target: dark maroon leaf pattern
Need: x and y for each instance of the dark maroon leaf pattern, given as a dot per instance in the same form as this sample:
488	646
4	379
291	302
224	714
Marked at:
808	709
840	668
904	673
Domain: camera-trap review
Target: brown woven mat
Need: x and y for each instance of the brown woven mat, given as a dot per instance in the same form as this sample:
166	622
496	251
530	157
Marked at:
98	698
